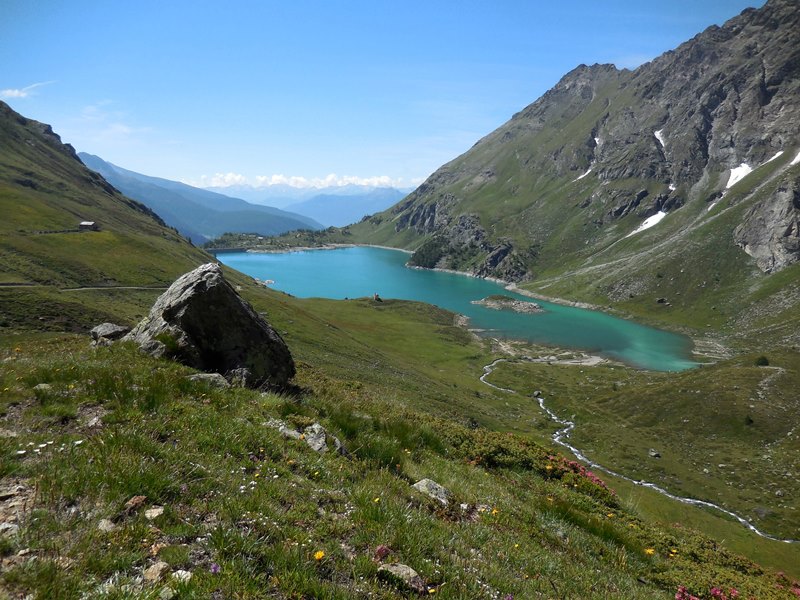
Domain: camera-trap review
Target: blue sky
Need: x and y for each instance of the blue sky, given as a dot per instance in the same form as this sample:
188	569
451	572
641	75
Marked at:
308	91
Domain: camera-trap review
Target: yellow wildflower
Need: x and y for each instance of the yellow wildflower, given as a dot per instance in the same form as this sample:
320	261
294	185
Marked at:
319	555
495	511
649	551
376	500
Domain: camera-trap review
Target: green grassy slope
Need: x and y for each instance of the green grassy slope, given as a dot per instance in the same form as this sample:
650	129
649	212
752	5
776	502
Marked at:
260	507
45	192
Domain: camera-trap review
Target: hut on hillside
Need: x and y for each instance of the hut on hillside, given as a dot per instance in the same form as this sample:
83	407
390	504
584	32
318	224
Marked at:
88	226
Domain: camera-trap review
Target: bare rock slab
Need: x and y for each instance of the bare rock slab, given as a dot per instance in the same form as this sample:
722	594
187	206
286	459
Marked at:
202	322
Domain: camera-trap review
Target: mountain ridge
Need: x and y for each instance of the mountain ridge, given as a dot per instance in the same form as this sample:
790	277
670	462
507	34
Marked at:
197	213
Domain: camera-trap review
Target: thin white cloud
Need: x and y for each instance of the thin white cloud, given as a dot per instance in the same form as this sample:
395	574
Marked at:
222	180
23	92
331	180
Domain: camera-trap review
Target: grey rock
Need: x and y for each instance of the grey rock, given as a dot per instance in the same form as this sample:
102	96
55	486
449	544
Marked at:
106	525
202	322
433	490
182	576
654	453
212	379
8	529
153	513
42	387
108	332
316	438
239	377
167	593
283	429
770	232
402	576
314	435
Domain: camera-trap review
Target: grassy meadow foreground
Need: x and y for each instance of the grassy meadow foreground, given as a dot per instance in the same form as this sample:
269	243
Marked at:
251	514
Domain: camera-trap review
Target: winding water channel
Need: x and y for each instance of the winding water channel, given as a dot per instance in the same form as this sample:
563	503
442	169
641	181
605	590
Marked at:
561	436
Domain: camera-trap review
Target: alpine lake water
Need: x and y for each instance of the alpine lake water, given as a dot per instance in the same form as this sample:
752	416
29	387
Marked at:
359	271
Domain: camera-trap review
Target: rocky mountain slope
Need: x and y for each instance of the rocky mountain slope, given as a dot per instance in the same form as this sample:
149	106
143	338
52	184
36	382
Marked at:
613	175
198	214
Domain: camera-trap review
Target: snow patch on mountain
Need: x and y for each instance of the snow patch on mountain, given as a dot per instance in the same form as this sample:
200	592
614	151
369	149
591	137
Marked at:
737	174
648	223
660	137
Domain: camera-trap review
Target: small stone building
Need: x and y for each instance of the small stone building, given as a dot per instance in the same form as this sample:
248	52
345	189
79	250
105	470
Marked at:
88	226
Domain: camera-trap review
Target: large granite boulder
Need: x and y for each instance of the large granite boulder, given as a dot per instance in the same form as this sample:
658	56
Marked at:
202	322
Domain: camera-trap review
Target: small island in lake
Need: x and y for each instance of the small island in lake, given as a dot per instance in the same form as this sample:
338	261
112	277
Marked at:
500	302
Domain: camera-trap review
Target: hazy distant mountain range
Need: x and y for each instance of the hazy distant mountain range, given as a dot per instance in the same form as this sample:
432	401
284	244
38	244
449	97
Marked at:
342	209
336	205
196	213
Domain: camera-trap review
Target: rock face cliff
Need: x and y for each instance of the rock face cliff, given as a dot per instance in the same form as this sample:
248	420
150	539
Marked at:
708	127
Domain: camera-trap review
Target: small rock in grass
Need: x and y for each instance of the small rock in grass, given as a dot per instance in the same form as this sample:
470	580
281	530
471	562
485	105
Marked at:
107	332
153	513
403	576
182	576
154	572
654	453
283	429
9	529
433	490
316	438
134	503
166	593
106	525
212	379
42	387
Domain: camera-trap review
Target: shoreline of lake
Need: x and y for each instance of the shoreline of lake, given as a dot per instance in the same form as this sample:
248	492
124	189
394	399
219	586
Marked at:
367	269
511	286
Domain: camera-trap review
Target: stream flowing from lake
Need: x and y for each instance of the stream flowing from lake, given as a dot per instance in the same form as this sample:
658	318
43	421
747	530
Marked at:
561	437
359	271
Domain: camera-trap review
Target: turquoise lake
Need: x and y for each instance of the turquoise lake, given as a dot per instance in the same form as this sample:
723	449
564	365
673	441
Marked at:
362	271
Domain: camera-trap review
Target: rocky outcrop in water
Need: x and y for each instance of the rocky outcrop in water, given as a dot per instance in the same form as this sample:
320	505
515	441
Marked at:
202	322
508	303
